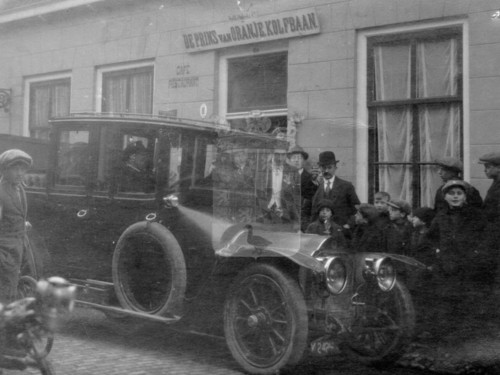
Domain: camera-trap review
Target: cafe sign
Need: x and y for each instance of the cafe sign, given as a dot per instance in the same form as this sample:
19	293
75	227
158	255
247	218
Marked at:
277	26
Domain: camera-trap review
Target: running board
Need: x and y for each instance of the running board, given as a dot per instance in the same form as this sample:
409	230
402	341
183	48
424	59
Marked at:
129	313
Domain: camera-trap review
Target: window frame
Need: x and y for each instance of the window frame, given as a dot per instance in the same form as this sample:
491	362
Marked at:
40	80
246	51
364	38
119	69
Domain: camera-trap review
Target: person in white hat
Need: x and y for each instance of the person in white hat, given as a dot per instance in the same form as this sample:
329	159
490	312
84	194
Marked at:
13	210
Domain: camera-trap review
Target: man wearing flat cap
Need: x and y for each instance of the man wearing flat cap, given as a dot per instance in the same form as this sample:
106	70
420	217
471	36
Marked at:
339	191
303	186
451	169
491	209
13	210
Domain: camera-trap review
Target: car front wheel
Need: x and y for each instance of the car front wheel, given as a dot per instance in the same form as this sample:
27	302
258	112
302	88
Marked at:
265	320
383	325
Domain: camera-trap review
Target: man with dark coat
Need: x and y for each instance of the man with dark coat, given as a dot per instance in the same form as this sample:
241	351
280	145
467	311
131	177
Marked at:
451	169
303	186
339	191
13	210
491	210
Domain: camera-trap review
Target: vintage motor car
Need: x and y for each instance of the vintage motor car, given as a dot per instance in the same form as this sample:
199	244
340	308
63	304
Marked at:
191	243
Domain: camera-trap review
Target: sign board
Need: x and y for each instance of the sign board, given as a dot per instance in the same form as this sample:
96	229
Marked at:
271	27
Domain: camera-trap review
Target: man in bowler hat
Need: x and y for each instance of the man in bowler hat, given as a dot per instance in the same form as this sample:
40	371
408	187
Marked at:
451	169
303	186
13	210
339	191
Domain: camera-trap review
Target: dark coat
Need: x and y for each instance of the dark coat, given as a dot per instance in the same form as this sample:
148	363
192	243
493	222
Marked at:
304	190
472	194
334	231
14	210
457	234
398	236
491	204
344	200
369	237
12	232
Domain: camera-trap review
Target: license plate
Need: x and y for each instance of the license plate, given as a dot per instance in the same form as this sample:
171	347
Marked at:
324	346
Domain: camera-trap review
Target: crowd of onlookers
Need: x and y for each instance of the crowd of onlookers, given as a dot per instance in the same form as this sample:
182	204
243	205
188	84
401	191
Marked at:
457	239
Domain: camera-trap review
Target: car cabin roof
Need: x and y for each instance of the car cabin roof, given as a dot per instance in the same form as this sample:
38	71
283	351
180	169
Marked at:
233	137
131	119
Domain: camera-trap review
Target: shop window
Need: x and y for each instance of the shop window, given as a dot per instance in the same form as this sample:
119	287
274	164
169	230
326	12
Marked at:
47	99
415	111
128	91
257	92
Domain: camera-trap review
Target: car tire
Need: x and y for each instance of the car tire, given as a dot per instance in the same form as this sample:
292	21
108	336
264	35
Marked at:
265	320
383	326
149	271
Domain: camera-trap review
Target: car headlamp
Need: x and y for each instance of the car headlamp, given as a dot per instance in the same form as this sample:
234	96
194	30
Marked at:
383	271
335	275
171	201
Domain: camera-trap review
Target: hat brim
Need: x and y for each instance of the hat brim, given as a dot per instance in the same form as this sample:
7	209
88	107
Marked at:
14	162
304	154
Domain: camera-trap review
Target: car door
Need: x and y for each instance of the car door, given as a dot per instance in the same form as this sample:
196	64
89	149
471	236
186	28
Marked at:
60	216
114	203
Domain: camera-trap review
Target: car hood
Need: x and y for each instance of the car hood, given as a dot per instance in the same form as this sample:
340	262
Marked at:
255	242
258	242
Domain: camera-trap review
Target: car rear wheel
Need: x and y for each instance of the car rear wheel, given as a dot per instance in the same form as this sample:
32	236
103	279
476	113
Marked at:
149	272
265	320
383	325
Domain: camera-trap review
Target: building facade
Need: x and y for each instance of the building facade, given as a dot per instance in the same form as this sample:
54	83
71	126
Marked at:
388	85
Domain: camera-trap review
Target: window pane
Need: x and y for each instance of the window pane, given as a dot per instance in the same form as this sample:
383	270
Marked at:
395	145
73	158
437	68
47	99
392	72
141	92
114	94
136	173
128	91
440	136
257	83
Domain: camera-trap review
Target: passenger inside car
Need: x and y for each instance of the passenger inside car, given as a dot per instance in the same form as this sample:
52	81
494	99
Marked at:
136	174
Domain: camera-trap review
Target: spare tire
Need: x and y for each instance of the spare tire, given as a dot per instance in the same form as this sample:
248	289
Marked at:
149	271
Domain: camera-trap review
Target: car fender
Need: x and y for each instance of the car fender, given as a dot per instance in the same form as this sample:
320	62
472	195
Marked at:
255	243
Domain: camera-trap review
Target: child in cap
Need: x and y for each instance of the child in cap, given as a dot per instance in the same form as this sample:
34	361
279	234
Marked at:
325	225
13	209
421	220
380	201
398	231
457	231
368	234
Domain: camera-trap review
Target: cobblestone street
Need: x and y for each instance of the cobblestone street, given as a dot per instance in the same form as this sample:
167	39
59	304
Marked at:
87	345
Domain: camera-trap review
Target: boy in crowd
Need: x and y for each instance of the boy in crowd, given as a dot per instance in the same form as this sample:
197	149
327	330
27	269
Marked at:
325	225
420	248
381	200
398	231
451	169
13	209
368	234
